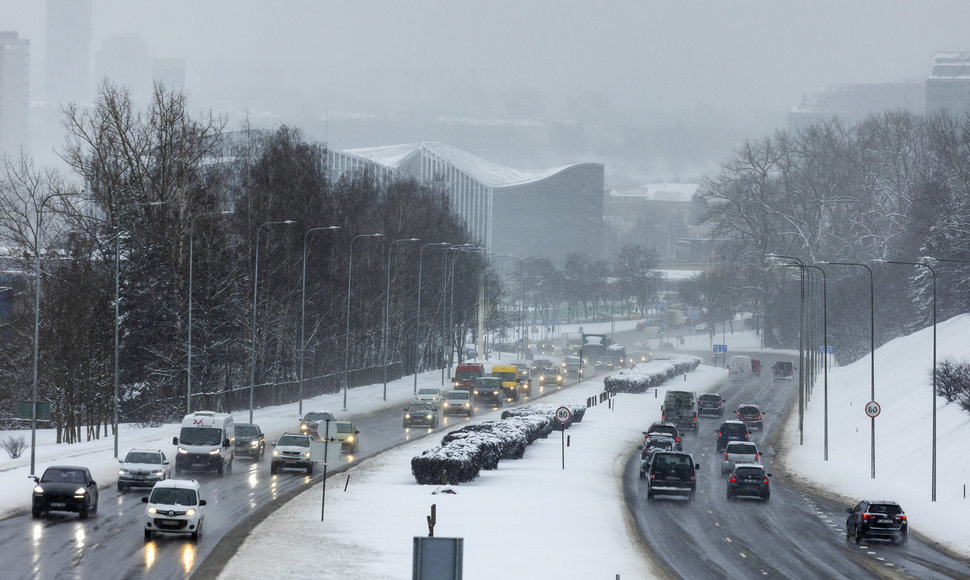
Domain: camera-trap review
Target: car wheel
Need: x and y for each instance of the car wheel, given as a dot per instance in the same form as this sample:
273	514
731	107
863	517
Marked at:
649	494
36	512
730	496
84	512
94	508
221	470
848	533
899	539
121	487
148	534
309	469
766	497
859	536
195	536
273	468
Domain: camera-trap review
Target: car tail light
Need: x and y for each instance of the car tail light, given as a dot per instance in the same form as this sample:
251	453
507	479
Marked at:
755	456
759	415
733	479
901	517
765	481
725	455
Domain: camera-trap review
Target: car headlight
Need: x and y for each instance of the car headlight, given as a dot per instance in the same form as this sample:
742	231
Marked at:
80	492
350	439
468	405
190	513
306	454
38	489
183	450
214	452
158	473
122	472
428	416
276	453
475	391
445	404
151	510
407	415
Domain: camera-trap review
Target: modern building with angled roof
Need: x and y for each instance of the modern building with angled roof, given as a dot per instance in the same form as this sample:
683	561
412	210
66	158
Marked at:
948	84
545	213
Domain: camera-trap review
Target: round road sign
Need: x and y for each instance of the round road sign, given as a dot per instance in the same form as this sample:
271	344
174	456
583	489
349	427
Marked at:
873	409
563	414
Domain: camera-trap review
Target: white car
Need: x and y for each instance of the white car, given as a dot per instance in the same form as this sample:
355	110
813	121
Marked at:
739	452
143	468
175	506
431	395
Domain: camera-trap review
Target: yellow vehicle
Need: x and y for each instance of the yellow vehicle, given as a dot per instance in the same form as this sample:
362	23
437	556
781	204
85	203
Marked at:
510	380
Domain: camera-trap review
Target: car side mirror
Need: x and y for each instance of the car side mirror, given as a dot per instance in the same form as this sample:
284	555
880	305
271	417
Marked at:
225	443
121	461
202	502
848	510
144	499
697	466
175	440
356	432
272	444
165	462
94	483
768	474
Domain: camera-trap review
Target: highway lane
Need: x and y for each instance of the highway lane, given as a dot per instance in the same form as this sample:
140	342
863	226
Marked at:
110	544
795	535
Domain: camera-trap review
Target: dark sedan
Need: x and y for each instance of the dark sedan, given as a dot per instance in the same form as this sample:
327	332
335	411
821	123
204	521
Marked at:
65	488
250	440
488	390
749	480
420	414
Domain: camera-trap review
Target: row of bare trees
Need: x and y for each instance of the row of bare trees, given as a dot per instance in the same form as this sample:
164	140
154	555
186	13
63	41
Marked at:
894	187
156	202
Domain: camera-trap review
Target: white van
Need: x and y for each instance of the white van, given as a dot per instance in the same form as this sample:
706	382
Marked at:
739	368
207	442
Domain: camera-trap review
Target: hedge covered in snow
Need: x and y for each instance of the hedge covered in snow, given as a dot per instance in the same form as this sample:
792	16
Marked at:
464	452
650	374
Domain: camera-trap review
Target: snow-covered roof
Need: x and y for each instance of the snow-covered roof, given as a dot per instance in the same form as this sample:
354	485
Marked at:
950	65
659	192
489	173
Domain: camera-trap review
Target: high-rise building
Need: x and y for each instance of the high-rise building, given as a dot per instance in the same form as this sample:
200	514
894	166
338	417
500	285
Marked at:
68	51
14	91
948	85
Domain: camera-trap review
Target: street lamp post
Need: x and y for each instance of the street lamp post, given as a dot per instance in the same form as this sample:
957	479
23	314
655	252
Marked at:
350	274
872	357
303	306
801	341
451	306
445	321
252	367
387	304
933	372
188	371
417	325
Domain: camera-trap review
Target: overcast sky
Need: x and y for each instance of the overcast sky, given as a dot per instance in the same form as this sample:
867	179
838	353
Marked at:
641	55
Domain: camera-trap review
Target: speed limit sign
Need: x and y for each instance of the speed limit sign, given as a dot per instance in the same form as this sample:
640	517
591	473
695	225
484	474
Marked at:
563	414
873	409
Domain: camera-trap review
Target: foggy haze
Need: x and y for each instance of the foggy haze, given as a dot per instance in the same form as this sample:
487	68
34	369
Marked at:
738	64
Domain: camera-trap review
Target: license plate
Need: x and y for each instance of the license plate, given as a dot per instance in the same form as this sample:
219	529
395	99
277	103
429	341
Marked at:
57	504
885	521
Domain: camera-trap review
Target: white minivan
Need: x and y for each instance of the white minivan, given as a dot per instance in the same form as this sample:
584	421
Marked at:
739	368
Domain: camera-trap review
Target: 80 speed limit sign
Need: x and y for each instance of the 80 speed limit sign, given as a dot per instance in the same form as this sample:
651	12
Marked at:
563	414
873	409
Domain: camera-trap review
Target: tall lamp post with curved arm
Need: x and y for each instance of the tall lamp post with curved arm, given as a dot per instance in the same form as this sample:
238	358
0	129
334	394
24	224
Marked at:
350	274
188	369
303	305
872	357
387	304
933	273
417	324
252	366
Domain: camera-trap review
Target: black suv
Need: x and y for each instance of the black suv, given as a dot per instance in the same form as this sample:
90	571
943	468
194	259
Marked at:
671	473
710	404
876	519
250	440
668	429
749	479
731	430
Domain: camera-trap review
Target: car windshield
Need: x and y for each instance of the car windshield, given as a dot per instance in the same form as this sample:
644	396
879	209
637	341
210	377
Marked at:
664	443
422	408
200	436
506	376
749	472
466	375
673	460
746	448
428	392
663	429
457	396
143	457
748	412
733	428
710	399
345	427
247	430
487	384
882	508
173	496
318	416
294	441
63	476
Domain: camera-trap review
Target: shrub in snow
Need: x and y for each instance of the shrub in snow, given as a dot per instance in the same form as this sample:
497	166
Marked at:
650	374
458	462
14	446
953	382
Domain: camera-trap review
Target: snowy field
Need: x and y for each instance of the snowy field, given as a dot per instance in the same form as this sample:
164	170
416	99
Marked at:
543	520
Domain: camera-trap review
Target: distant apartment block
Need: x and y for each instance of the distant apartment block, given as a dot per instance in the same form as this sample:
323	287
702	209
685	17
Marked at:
948	85
853	103
541	213
14	91
68	52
